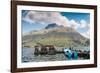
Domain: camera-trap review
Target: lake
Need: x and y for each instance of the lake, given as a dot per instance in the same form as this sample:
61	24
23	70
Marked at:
28	56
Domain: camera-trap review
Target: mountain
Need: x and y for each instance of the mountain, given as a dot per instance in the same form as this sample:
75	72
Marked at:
55	35
51	28
53	25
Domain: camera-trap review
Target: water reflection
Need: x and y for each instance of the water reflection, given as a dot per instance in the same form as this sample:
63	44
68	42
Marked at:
28	56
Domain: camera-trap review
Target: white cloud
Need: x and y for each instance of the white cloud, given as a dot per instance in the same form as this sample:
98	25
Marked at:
83	24
86	34
74	24
50	17
45	18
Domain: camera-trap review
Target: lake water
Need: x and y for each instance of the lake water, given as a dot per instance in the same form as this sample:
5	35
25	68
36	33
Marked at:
28	56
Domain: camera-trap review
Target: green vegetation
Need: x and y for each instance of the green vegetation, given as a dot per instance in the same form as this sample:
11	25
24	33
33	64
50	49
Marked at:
58	42
59	37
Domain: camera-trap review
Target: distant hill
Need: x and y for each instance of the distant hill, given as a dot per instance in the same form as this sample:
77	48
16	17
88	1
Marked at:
55	35
53	25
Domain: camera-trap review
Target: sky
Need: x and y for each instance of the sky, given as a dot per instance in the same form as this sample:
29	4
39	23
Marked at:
36	20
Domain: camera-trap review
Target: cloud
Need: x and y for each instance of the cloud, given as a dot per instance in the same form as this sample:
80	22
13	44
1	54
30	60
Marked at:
86	34
45	18
49	17
83	24
73	24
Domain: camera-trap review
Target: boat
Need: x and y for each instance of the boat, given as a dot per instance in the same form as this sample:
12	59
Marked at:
68	53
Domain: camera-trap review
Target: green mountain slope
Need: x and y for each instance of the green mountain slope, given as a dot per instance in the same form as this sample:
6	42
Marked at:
58	36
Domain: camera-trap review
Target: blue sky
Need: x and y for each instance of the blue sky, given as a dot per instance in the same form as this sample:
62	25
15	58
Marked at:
27	27
77	16
36	20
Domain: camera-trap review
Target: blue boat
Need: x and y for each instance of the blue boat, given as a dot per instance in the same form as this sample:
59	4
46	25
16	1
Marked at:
74	55
70	54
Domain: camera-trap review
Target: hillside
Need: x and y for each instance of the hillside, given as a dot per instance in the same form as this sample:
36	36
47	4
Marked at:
58	36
